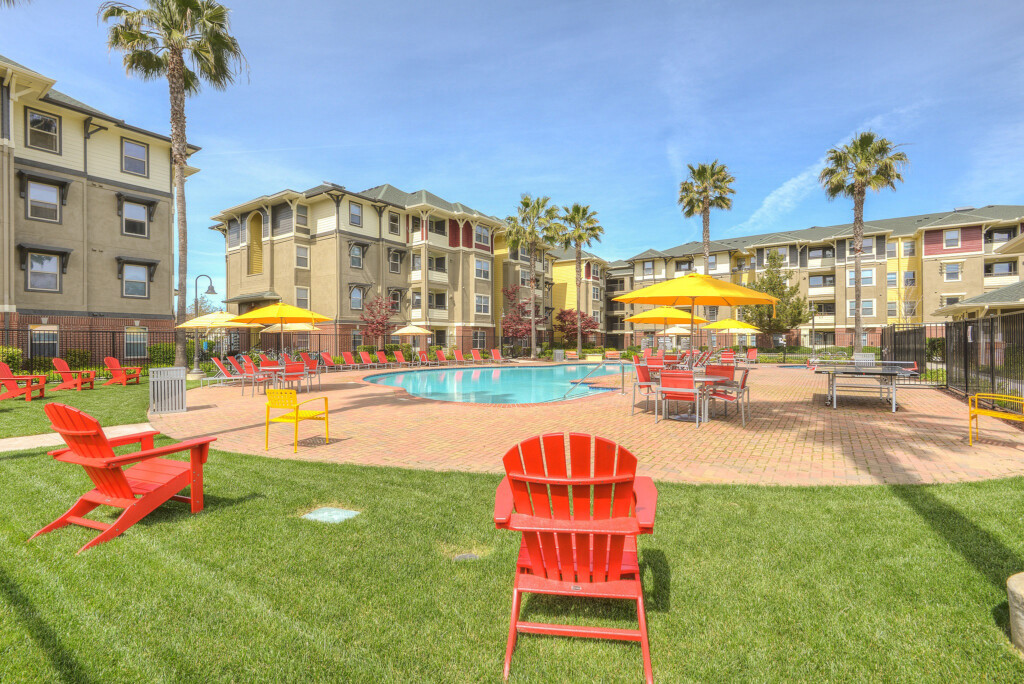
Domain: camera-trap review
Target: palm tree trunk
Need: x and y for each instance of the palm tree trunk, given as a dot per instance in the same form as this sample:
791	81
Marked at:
533	309
858	244
579	301
176	84
706	216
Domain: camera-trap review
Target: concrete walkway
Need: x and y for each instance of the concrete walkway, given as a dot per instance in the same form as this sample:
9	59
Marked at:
51	439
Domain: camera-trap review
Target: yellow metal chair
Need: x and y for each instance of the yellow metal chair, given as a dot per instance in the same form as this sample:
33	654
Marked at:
1007	401
287	400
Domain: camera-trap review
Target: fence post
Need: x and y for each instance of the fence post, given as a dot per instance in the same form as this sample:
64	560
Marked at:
967	382
992	354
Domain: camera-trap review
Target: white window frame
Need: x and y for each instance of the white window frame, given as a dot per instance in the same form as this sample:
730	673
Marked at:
395	300
29	201
945	238
959	272
29	113
911	276
483	304
482	269
892	279
892	309
299	257
895	249
355	214
416	264
301	215
712	313
125	280
479	339
56	260
867	246
712	262
644	270
864	272
395	225
479	231
596	293
132	351
431	222
355	256
993	264
125	156
909	248
417	299
125	219
395	262
351	300
524	277
866	303
299	297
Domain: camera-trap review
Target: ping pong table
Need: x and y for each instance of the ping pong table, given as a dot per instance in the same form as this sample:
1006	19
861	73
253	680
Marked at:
884	373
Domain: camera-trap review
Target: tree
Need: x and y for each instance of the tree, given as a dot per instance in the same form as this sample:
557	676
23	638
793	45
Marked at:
865	163
206	306
514	321
573	326
577	227
791	309
377	317
188	43
707	187
530	229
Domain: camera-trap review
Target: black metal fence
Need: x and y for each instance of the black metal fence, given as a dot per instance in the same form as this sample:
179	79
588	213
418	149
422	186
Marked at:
923	346
986	355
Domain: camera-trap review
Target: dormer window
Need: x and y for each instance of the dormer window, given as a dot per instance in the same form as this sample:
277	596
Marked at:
134	157
42	131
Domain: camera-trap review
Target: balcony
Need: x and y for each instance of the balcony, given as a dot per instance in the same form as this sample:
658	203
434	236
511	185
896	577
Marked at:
435	312
416	275
1001	280
435	276
824	319
825	262
416	314
829	291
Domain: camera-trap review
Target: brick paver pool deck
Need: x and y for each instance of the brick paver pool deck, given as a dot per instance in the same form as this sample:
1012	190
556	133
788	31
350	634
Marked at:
790	437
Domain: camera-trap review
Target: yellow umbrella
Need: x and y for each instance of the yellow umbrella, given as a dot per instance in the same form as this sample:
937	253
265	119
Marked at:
289	327
732	325
217	319
411	330
696	288
666	315
280	313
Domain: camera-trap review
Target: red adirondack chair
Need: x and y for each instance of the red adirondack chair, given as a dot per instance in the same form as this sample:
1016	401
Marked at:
140	489
73	379
586	550
121	374
11	387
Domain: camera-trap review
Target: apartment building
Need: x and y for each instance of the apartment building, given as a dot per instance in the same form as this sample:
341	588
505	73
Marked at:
86	232
592	302
911	267
333	250
618	281
512	267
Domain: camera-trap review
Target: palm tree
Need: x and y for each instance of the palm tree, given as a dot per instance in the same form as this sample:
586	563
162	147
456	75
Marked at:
577	228
188	43
708	187
865	163
530	229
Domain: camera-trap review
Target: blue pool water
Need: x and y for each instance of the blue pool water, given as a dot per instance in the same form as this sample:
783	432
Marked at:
507	385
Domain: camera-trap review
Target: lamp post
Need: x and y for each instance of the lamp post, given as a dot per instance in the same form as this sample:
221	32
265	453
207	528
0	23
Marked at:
196	373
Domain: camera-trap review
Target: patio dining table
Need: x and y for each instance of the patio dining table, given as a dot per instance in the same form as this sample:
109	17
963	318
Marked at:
705	381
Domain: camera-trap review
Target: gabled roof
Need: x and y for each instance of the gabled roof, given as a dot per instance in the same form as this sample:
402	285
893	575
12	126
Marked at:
1004	297
650	254
570	255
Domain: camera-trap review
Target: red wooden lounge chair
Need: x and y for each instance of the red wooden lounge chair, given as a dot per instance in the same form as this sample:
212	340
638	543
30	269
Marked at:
73	379
459	358
442	360
121	374
328	362
382	360
400	359
588	550
476	356
496	356
140	489
11	385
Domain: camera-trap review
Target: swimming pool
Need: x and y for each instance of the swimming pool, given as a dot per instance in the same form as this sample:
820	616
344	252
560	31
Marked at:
505	385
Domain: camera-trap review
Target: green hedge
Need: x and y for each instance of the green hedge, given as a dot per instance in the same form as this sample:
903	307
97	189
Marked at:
12	357
162	353
77	358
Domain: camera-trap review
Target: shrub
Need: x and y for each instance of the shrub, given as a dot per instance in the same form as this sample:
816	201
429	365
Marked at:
935	348
162	353
77	358
366	348
11	356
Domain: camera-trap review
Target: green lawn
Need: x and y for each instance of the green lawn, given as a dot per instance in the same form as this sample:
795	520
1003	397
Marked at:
743	583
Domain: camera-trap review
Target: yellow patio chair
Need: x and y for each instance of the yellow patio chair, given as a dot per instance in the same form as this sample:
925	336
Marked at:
286	399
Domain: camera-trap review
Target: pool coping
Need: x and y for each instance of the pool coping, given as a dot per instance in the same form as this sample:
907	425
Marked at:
402	390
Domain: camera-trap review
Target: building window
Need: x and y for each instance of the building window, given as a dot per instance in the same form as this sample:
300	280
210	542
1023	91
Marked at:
394	223
1000	235
43	131
355	214
355	298
891	309
596	293
680	266
951	238
43	272
712	313
1001	268
909	309
821	253
483	304
43	202
867	246
909	248
136	342
438	264
892	279
648	268
909	278
952	272
524	278
441	337
867	277
417	300
302	215
42	341
417	262
713	262
483	269
867	307
890	249
395	262
479	339
825	308
395	300
438	227
863	339
416	224
355	256
134	157
135	219
824	280
482	236
437	300
596	272
357	339
951	300
135	281
301	256
302	297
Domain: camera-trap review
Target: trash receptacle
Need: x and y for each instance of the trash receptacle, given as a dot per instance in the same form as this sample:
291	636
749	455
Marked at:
167	390
558	354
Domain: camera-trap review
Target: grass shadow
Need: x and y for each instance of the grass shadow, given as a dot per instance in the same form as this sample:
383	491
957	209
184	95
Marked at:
41	633
658	594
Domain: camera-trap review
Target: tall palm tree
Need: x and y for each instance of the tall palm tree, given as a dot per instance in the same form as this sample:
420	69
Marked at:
577	227
188	43
530	228
867	162
707	187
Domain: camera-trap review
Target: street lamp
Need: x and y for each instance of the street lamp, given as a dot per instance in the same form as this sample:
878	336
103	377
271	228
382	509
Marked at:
195	350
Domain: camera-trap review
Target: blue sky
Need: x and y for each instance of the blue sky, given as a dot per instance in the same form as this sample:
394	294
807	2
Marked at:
602	103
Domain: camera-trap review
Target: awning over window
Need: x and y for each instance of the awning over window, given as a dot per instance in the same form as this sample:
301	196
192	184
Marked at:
25	247
150	265
26	175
